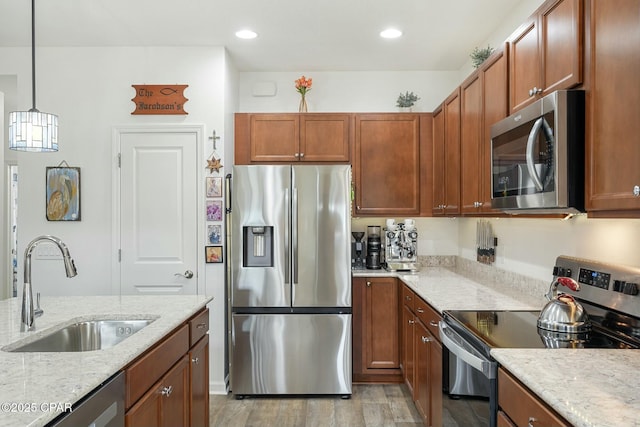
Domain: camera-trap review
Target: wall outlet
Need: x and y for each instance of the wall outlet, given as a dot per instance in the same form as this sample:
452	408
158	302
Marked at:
47	251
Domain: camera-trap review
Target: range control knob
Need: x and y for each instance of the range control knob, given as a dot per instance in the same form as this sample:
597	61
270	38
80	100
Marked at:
618	285
561	271
630	288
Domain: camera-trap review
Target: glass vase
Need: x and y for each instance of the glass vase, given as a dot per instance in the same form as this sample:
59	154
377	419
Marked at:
302	108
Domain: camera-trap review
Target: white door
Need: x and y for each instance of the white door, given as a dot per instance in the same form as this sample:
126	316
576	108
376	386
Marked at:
158	210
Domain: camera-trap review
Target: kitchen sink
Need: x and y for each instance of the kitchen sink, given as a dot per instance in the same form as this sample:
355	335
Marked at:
87	335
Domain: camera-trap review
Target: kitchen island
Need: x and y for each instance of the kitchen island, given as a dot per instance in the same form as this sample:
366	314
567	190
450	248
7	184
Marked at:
588	387
36	387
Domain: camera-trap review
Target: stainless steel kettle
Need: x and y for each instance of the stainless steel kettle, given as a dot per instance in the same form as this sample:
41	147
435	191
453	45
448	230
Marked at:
563	313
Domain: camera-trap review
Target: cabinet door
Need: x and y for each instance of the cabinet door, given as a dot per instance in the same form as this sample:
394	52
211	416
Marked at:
147	411
524	64
422	387
387	164
408	356
325	138
382	344
495	107
435	382
452	154
274	138
471	149
175	395
613	150
561	39
438	161
199	383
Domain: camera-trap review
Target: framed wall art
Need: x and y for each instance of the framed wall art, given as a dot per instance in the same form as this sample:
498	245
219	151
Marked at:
214	210
213	254
63	193
214	186
214	234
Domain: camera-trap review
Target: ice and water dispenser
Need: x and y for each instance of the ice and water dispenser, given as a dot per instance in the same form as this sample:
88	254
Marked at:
257	246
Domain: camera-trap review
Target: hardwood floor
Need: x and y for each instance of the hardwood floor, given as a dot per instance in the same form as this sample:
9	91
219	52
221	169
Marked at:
370	406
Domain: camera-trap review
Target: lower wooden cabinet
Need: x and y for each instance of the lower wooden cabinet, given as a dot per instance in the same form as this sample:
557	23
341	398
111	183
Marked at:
519	407
169	384
376	331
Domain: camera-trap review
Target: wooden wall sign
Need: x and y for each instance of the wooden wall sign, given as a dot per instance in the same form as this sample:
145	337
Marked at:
159	99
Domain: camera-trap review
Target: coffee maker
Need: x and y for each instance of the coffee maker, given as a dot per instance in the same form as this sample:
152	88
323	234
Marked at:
401	246
358	251
373	247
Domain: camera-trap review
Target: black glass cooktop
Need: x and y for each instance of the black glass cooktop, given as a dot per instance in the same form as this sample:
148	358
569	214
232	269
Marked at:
519	329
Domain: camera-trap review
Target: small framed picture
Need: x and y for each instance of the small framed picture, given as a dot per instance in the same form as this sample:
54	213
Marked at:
214	210
214	186
214	234
213	254
63	193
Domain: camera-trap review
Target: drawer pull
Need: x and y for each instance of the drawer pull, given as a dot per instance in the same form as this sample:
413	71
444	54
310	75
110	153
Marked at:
531	421
201	325
419	310
426	339
411	322
407	297
433	323
195	360
166	391
368	283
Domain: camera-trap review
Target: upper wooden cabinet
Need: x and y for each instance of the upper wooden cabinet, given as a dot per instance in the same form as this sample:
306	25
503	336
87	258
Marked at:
294	137
386	166
546	52
484	101
613	151
446	157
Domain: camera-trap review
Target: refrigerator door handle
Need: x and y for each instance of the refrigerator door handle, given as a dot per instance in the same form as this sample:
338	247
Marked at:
287	216
294	233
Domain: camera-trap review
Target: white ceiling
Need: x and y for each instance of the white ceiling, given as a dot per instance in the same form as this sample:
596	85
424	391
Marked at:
294	35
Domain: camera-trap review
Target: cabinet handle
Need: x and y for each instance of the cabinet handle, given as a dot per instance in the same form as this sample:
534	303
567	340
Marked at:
301	155
368	284
531	421
636	190
433	323
166	391
296	155
201	325
407	297
411	322
535	91
477	204
195	360
419	310
426	339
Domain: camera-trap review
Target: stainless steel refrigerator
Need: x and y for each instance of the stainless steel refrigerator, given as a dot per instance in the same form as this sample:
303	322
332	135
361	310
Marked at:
290	280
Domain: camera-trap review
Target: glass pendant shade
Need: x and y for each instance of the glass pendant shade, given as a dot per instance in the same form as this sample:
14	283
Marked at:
33	131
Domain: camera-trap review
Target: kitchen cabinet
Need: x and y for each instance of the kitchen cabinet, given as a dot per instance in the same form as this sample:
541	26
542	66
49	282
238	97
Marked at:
519	407
546	52
293	137
167	386
376	331
386	164
446	157
484	101
422	356
613	174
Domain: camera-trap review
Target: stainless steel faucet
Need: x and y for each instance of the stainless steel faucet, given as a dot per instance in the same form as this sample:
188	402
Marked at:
28	313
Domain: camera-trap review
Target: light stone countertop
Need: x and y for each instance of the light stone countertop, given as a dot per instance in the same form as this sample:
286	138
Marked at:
588	387
38	379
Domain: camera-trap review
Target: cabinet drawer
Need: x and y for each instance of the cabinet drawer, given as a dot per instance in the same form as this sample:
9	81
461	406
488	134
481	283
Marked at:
198	327
522	406
408	297
147	370
428	315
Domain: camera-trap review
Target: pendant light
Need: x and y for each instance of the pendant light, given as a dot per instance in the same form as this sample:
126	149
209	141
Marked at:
33	130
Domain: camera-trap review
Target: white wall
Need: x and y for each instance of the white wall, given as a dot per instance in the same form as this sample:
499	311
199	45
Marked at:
90	90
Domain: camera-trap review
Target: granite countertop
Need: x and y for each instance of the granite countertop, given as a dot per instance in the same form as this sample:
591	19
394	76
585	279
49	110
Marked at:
588	387
47	382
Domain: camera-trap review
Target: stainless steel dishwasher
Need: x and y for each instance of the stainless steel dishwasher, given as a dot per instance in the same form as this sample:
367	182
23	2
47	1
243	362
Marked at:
103	407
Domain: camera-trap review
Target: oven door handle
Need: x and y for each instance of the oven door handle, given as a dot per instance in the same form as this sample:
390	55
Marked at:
456	345
531	166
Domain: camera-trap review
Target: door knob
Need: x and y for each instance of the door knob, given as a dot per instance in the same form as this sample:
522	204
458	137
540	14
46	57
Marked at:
187	274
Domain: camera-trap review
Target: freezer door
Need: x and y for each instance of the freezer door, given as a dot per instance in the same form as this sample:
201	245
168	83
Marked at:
321	236
291	354
261	198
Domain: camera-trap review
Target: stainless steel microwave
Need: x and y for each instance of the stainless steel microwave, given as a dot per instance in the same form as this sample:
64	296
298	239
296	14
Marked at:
537	156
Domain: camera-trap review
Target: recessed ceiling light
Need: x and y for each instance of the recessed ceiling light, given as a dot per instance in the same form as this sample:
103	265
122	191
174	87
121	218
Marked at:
246	34
390	33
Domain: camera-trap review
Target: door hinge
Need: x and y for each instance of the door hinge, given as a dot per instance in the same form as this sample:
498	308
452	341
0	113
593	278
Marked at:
119	160
119	255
